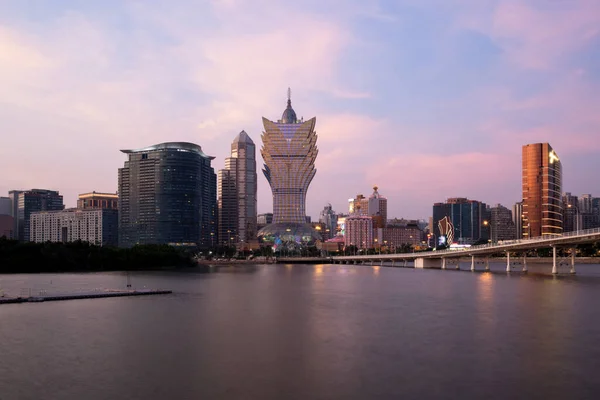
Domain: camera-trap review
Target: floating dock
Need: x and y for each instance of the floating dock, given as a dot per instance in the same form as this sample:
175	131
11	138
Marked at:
76	296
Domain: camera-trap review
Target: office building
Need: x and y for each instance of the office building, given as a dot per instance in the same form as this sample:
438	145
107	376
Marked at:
517	216
98	226
542	183
236	194
5	206
94	200
329	219
168	195
466	216
263	220
501	224
289	152
571	217
29	201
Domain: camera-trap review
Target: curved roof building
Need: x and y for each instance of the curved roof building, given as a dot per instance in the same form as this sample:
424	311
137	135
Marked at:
167	195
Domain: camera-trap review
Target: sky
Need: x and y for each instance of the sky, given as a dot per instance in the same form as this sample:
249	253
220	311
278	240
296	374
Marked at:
427	99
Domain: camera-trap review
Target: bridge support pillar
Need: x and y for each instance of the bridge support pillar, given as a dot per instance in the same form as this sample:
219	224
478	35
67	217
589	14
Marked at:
487	264
573	251
554	268
508	261
458	264
472	263
524	262
393	262
443	263
404	263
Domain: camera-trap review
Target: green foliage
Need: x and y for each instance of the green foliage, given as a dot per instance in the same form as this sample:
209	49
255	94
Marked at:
82	256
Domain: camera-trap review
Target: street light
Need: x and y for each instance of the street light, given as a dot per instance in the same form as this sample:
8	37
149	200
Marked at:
576	215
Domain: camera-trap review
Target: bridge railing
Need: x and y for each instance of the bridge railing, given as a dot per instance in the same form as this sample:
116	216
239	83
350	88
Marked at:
537	239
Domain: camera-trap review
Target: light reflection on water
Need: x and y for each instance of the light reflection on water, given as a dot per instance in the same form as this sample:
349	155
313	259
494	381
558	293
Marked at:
307	331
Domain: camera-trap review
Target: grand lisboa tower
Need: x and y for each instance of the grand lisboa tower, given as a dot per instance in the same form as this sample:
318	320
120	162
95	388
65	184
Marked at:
289	152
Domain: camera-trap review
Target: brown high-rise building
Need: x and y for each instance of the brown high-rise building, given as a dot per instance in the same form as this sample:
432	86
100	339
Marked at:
542	181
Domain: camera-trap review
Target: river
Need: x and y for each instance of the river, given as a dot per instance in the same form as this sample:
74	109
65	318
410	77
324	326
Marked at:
306	332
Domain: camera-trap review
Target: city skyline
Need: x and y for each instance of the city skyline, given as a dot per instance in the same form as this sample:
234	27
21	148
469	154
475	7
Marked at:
445	115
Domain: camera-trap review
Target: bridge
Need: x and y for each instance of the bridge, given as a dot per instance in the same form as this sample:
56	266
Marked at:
441	258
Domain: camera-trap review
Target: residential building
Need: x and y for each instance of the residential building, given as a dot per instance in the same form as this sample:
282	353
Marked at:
542	183
359	231
94	200
168	195
236	194
392	237
98	226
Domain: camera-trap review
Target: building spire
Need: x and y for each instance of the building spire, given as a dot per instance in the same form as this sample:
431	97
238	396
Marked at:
289	93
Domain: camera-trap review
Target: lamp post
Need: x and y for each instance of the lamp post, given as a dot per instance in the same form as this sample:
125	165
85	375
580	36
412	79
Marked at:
576	215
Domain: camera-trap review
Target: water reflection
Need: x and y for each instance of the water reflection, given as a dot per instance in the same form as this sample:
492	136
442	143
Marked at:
307	331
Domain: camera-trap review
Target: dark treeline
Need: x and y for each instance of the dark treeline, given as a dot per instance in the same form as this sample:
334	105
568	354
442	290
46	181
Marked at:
82	256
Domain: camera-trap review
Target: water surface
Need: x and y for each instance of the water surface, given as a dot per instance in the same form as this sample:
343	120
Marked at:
306	331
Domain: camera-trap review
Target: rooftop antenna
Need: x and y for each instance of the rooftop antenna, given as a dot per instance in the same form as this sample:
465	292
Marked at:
289	95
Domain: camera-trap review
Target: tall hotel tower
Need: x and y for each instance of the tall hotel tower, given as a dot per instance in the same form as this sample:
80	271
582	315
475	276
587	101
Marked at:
167	195
289	151
542	181
236	191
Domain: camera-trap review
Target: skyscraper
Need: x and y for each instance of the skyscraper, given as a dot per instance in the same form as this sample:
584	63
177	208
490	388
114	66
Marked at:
289	151
542	182
236	192
167	195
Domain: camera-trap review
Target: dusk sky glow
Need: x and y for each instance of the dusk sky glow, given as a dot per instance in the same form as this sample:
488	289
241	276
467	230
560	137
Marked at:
427	99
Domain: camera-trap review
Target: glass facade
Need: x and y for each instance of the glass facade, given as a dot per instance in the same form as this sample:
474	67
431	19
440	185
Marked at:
32	201
288	237
542	182
289	151
237	190
467	217
167	195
